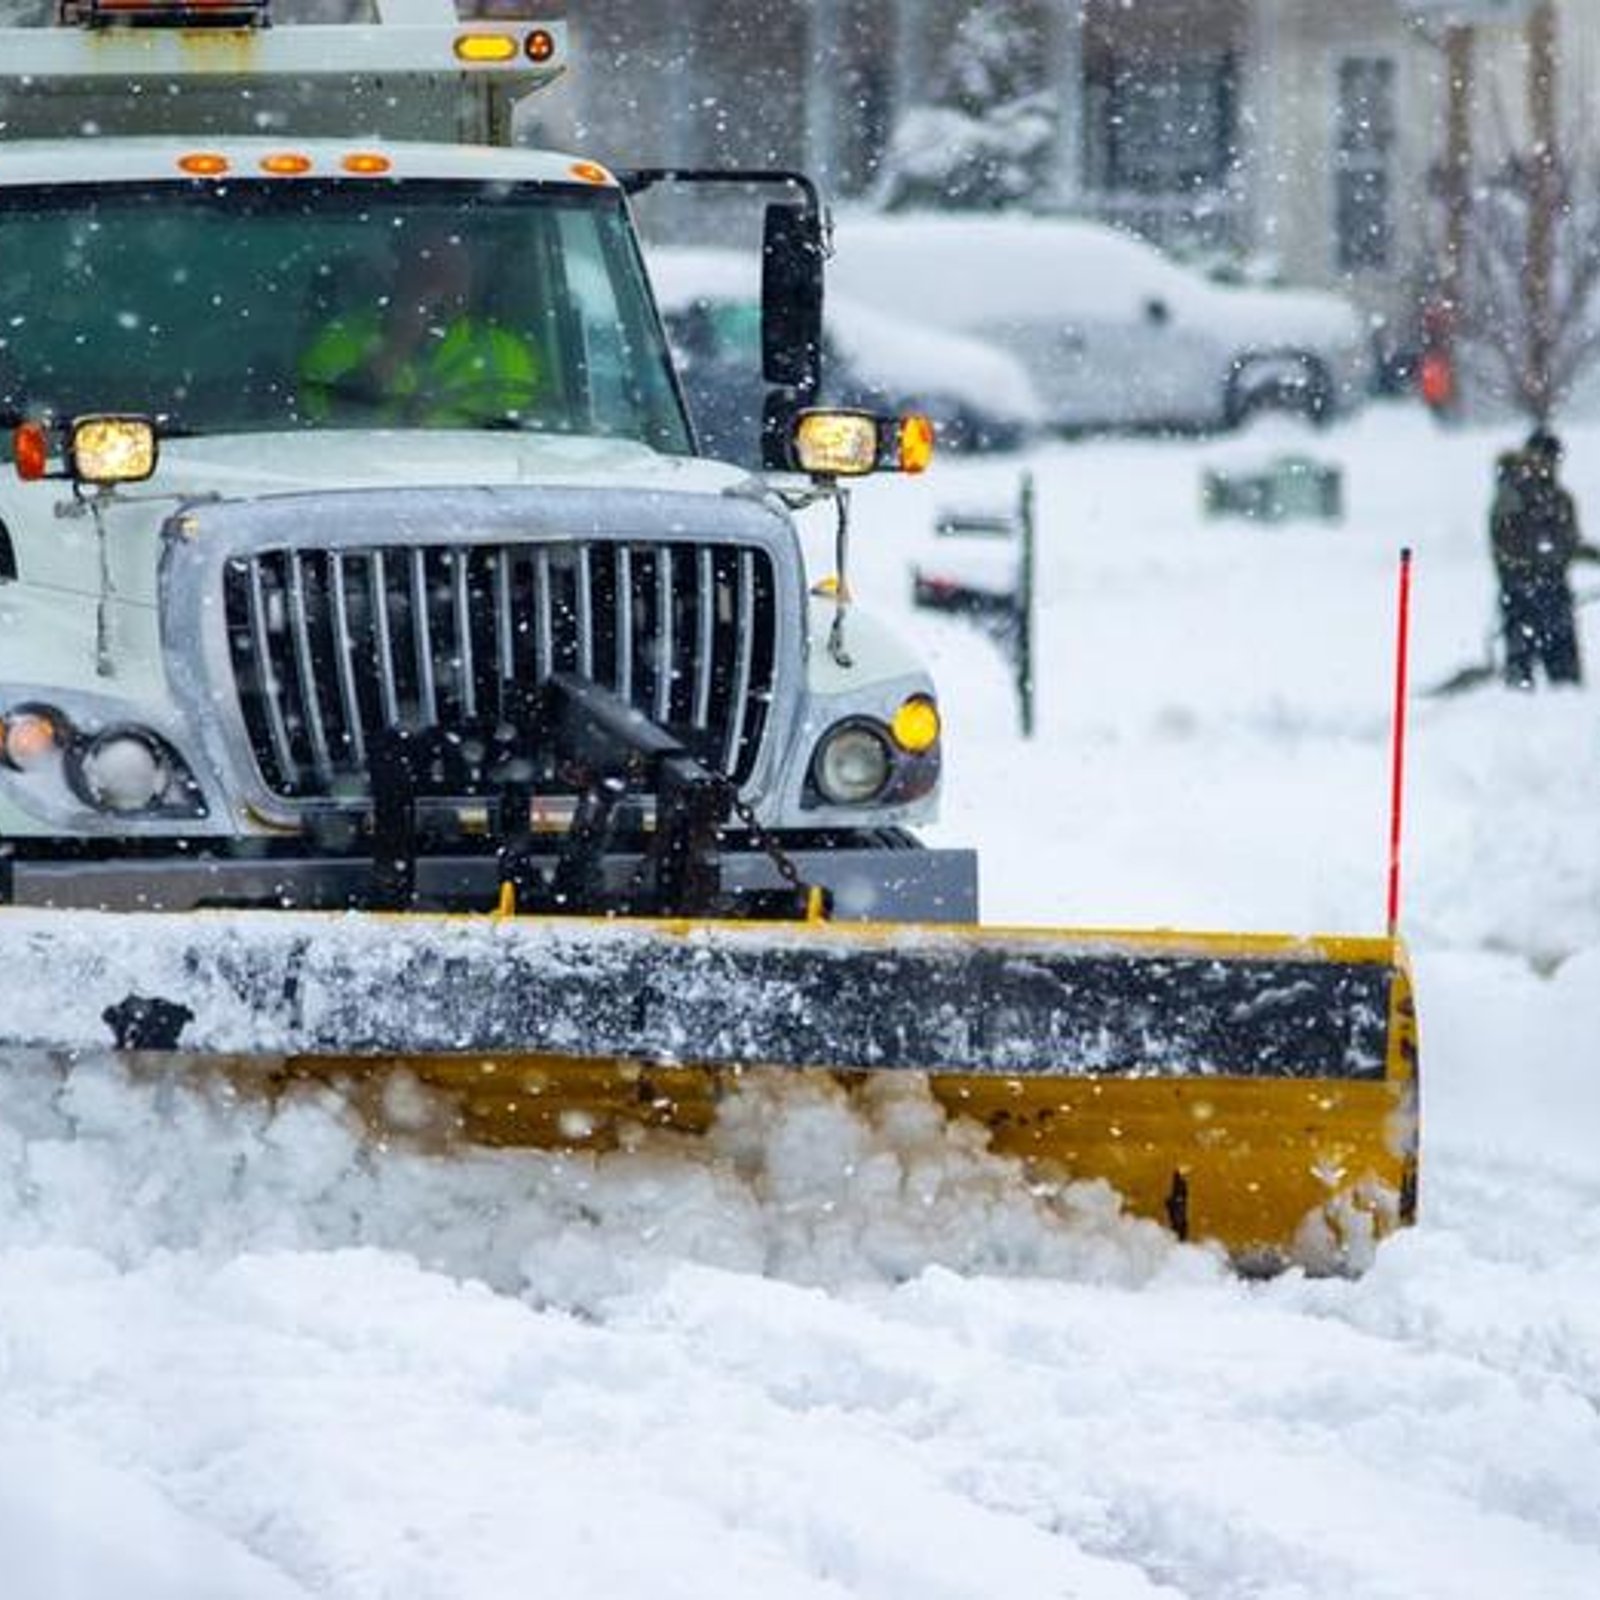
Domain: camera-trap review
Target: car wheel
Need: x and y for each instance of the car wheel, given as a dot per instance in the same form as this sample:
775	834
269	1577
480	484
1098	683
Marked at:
1295	383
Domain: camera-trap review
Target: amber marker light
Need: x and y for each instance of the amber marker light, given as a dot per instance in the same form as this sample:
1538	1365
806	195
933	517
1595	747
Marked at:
540	45
366	163
915	725
590	172
286	164
479	48
30	449
915	444
203	164
28	739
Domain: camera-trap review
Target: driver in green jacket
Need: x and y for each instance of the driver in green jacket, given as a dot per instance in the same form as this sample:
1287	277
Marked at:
426	358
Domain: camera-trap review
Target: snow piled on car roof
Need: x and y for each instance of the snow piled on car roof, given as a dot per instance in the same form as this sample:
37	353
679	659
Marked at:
975	271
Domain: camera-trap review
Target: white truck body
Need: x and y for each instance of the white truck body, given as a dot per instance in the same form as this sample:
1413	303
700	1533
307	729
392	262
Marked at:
287	587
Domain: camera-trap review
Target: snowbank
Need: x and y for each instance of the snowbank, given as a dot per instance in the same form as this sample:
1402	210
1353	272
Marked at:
828	1352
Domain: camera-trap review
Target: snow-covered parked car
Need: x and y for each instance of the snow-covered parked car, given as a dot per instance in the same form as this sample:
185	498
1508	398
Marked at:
978	396
1114	333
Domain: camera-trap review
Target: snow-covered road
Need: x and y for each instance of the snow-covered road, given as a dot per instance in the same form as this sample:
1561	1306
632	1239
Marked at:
829	1354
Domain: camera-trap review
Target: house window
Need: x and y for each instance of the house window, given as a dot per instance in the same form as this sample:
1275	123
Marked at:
1363	159
1163	128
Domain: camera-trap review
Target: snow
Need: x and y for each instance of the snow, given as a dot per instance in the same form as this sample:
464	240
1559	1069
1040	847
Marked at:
836	1350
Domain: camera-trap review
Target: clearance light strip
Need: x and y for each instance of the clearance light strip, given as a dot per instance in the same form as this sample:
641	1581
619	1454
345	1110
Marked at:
283	164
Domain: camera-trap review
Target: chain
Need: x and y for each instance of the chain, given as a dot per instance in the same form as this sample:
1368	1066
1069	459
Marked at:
774	851
765	842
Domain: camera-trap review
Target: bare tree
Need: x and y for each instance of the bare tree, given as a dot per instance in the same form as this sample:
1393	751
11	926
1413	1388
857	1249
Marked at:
1529	325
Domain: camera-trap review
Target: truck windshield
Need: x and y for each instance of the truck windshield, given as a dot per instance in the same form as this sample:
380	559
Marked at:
248	306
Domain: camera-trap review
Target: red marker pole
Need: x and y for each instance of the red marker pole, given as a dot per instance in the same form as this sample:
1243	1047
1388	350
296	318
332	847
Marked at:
1398	761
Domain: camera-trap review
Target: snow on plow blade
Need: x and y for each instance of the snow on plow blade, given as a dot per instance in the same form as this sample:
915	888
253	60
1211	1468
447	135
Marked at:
1253	1090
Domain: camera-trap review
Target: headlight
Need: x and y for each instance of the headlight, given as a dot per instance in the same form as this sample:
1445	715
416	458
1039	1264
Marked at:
57	768
852	764
124	770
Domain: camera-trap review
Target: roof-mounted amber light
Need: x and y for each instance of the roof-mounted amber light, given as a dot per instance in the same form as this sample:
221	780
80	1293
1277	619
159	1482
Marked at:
286	164
203	164
590	172
540	45
366	163
479	48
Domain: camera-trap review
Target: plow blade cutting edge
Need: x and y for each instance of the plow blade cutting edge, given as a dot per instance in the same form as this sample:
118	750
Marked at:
1258	1091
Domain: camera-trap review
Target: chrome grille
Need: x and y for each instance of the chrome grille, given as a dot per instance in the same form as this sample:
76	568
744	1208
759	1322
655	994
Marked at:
328	647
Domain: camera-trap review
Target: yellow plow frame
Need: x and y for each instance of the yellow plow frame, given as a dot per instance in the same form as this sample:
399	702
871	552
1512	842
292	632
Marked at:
1254	1091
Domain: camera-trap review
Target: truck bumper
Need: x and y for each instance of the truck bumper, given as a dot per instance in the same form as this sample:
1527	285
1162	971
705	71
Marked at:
888	879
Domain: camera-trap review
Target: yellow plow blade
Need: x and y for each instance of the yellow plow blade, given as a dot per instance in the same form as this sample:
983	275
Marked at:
1255	1091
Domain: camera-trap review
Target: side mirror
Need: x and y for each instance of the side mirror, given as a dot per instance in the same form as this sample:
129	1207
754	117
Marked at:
791	299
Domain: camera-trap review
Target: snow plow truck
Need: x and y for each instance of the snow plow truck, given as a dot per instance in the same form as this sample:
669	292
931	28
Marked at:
394	697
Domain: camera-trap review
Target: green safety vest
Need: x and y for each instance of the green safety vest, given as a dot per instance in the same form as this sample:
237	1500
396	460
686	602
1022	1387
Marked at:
476	372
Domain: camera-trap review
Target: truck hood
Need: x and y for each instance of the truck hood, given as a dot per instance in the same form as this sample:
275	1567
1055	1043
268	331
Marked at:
237	465
265	465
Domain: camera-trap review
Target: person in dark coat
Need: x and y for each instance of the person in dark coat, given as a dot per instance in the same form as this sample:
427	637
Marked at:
1534	532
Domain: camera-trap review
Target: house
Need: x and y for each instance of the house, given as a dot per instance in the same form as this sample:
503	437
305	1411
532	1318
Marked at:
1305	137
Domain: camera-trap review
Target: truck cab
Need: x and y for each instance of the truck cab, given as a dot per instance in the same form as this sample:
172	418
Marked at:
349	505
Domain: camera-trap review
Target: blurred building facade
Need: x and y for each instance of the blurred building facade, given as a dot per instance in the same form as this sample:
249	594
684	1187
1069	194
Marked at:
1306	139
1303	136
